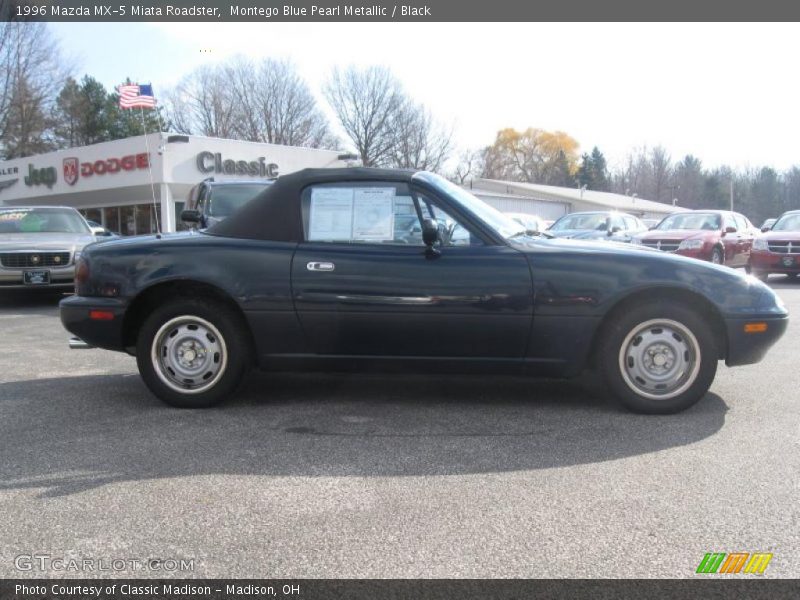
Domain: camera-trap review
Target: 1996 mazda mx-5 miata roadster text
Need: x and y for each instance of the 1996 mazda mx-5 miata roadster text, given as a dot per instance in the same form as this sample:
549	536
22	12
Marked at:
367	269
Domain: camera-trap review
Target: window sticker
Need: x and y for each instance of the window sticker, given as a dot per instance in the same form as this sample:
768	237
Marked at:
331	214
373	214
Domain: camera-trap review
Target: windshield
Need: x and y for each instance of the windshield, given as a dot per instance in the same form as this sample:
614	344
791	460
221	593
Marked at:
589	221
788	223
227	199
41	220
707	221
502	224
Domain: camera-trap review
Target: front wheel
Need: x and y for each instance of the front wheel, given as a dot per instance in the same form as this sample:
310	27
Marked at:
658	359
192	353
717	257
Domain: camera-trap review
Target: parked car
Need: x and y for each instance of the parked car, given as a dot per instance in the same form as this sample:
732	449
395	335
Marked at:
607	225
529	222
778	250
311	276
651	223
717	236
767	224
40	244
210	201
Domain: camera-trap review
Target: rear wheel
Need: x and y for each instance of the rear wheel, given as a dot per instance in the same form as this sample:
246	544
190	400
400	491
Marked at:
193	353
658	359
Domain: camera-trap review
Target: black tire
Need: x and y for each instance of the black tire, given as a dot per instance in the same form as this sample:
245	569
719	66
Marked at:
218	347
718	256
633	378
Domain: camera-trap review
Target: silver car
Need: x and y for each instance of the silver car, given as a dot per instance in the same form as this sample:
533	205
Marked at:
39	246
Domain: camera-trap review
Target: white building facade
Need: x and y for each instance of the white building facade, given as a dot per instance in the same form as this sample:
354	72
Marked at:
138	185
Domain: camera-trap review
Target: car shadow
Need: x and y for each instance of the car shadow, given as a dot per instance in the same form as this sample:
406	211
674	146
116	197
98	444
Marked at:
44	301
73	434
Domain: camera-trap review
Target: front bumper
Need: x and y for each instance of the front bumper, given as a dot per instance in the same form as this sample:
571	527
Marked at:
748	348
60	277
772	262
75	316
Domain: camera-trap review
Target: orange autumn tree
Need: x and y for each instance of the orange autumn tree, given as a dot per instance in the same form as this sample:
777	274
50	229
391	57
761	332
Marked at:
533	156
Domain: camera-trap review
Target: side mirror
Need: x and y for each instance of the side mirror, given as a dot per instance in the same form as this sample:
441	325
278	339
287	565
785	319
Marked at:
192	216
614	229
730	229
765	229
430	235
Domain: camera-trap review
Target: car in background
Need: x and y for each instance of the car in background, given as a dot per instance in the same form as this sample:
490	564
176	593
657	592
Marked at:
651	223
211	202
767	224
313	275
529	222
39	246
778	250
597	225
718	236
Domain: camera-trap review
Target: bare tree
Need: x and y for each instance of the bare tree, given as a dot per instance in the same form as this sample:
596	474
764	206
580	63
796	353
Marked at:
470	165
275	105
419	142
203	103
30	76
366	102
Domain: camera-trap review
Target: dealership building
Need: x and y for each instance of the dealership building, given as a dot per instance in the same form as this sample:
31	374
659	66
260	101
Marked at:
139	184
132	185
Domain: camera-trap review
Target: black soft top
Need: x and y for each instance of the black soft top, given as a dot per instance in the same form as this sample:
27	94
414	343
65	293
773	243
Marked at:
275	213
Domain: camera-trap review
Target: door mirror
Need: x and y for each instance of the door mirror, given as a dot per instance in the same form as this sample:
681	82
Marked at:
192	216
614	229
430	232
765	229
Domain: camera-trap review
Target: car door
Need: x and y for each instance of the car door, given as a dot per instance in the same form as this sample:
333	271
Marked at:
364	285
745	238
730	241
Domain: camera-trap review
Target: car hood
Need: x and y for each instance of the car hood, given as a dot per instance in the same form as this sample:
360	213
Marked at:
790	236
579	234
44	242
675	234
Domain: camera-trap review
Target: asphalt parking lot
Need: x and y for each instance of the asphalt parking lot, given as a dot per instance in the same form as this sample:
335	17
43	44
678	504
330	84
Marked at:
396	476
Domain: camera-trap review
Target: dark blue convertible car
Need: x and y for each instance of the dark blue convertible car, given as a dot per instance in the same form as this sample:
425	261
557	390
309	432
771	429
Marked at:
367	269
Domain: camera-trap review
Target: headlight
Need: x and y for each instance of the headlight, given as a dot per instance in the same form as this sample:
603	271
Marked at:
691	244
760	244
77	256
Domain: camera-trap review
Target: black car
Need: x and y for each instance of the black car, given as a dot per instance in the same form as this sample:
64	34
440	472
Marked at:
314	273
598	225
211	201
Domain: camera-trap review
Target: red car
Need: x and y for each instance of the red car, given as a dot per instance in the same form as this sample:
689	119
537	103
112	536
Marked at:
718	236
778	250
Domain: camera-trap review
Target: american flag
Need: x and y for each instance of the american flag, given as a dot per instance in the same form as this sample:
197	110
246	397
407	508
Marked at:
136	96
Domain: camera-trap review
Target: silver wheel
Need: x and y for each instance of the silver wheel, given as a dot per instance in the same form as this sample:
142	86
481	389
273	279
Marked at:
716	256
659	359
189	354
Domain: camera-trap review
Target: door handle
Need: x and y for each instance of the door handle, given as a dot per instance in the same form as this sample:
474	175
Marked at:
320	266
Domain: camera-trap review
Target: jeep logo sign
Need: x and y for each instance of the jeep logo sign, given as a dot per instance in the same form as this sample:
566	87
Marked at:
45	176
209	162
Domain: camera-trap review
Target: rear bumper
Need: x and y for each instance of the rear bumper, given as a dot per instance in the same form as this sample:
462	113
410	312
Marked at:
75	316
748	348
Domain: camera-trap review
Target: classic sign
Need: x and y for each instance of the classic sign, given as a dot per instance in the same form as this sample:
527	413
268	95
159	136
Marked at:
209	162
372	269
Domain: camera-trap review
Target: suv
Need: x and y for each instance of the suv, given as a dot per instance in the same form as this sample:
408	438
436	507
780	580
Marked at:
210	201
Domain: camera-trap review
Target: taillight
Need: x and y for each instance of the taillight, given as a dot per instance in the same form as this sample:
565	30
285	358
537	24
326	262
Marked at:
81	276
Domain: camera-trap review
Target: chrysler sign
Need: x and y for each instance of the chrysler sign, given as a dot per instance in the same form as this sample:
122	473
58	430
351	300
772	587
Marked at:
210	162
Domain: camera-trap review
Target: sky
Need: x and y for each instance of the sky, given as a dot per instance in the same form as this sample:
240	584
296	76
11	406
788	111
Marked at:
726	93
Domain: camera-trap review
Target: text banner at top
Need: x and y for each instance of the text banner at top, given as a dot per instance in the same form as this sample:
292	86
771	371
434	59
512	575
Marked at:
413	11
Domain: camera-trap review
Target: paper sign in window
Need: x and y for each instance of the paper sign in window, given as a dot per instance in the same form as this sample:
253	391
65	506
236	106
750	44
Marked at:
331	214
373	214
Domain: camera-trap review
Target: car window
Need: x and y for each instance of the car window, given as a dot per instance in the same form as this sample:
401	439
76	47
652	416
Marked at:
727	221
452	231
741	222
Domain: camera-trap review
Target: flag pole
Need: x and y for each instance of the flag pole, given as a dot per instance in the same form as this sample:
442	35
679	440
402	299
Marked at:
150	169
